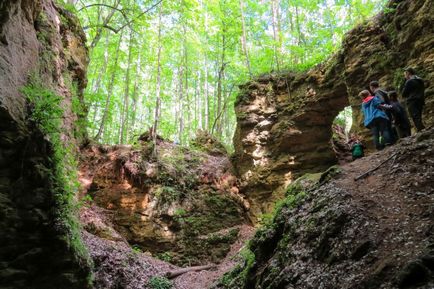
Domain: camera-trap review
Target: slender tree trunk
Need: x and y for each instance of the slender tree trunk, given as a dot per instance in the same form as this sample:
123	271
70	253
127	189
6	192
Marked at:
244	39
207	97
220	79
199	100
299	33
97	84
109	91
186	76
136	95
181	103
158	88
275	8
124	124
106	20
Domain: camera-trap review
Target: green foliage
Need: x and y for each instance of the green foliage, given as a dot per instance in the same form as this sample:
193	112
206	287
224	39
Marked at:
136	249
345	118
300	35
158	282
229	237
165	256
85	201
238	276
390	9
66	5
179	213
167	194
47	114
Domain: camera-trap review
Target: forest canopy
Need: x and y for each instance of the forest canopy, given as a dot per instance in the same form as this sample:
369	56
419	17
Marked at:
176	65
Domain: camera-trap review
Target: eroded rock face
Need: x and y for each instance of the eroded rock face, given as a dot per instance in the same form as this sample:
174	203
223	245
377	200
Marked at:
284	121
37	39
183	207
376	232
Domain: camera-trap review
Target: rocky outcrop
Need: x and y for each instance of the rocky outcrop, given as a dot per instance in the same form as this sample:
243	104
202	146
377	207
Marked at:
41	47
182	206
284	120
374	232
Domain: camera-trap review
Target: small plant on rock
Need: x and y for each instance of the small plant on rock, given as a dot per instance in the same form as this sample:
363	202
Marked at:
158	282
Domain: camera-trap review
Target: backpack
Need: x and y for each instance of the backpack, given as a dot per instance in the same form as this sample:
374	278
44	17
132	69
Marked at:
382	95
357	151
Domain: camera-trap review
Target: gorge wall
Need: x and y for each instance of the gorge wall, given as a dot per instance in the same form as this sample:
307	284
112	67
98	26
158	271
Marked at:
182	206
42	48
284	120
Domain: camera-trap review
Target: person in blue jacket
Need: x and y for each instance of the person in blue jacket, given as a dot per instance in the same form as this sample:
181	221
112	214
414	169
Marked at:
375	119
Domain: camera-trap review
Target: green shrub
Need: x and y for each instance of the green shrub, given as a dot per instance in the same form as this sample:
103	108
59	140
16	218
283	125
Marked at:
165	256
158	282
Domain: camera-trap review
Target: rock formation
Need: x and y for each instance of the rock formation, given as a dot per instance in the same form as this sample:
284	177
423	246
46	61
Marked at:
374	232
41	47
182	206
284	120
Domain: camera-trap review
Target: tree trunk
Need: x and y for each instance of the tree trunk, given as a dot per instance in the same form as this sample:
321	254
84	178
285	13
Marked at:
220	79
181	103
124	124
100	28
109	91
244	39
136	95
275	8
158	88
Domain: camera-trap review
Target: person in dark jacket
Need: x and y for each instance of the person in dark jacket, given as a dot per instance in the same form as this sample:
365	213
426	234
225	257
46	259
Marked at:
400	117
379	92
375	119
414	94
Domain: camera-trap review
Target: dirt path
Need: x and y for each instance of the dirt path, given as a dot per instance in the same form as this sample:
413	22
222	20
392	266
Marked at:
204	279
398	198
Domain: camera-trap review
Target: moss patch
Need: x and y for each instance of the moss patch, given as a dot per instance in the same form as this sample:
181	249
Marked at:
46	114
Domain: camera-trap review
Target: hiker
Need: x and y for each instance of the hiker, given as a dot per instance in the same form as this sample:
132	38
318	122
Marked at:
374	86
414	94
375	119
400	117
357	150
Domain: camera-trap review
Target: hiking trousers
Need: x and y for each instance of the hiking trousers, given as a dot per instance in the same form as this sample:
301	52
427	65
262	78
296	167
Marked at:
415	108
379	127
403	131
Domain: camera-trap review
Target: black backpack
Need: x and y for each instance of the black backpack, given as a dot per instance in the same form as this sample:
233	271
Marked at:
383	96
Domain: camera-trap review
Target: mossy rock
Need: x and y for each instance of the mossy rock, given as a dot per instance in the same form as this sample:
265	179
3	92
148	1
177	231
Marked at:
208	143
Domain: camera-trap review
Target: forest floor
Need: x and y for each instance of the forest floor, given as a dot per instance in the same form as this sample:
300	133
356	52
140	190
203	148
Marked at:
204	279
119	266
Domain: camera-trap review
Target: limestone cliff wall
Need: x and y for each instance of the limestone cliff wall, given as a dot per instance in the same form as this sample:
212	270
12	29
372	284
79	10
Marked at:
284	120
41	41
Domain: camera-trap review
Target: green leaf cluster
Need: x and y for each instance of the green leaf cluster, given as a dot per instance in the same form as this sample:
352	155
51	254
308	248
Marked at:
158	282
